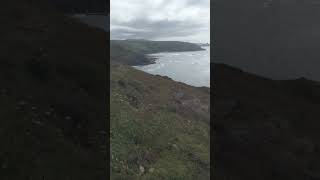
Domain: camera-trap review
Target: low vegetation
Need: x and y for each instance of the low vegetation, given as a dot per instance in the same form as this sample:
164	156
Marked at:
159	128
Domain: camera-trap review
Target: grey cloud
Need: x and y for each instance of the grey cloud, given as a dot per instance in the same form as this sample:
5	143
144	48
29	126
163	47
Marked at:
142	27
157	29
198	2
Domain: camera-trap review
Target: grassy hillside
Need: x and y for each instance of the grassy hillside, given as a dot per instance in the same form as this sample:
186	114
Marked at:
133	52
159	128
52	74
264	129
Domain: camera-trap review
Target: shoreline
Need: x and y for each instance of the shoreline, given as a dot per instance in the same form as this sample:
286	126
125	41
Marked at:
152	60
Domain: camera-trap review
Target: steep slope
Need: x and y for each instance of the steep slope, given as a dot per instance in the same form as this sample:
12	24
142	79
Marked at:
264	129
159	128
52	95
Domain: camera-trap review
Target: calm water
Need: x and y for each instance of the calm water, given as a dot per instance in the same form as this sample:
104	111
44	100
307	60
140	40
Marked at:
192	67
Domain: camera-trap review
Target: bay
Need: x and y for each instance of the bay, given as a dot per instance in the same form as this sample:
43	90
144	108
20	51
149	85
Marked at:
191	67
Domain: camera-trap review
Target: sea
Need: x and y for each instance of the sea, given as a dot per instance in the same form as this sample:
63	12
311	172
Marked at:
190	67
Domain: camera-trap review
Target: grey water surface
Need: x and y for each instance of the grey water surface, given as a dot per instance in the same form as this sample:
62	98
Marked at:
192	67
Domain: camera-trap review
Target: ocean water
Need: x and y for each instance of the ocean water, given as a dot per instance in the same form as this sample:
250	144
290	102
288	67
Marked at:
191	67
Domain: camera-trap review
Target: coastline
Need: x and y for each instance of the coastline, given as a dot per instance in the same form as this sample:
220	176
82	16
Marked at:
146	58
152	59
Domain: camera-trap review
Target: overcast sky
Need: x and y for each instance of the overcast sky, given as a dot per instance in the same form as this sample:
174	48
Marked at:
181	20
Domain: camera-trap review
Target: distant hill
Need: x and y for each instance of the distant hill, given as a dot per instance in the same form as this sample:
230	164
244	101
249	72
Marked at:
203	44
133	51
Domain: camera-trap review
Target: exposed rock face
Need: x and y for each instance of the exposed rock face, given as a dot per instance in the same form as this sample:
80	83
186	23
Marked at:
141	168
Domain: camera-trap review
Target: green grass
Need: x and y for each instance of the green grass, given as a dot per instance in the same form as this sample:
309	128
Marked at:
149	134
